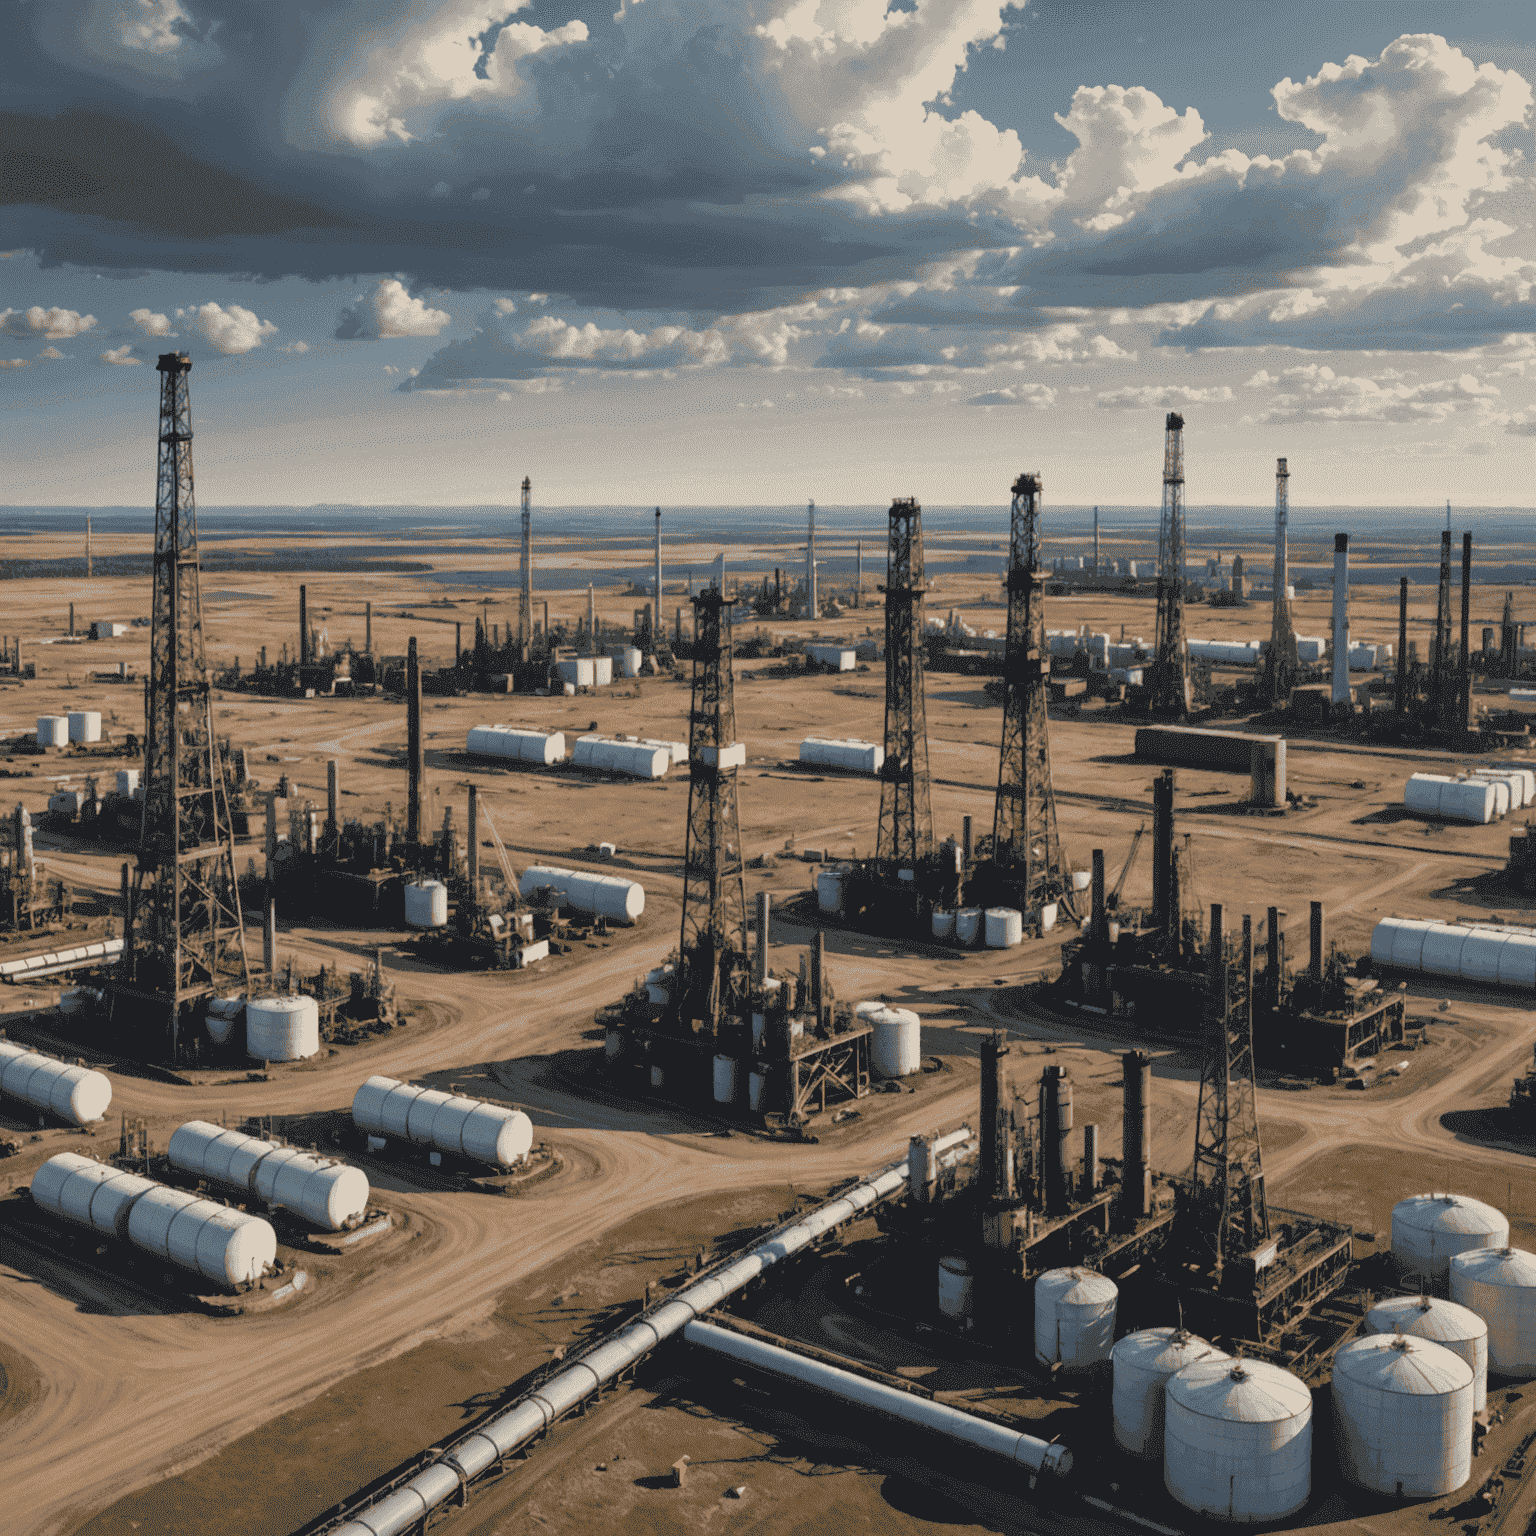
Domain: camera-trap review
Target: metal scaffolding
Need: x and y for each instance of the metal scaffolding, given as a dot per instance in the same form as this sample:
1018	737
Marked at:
1281	665
1170	667
905	838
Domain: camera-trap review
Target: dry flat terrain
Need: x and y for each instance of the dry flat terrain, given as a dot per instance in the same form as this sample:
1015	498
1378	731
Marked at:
124	1412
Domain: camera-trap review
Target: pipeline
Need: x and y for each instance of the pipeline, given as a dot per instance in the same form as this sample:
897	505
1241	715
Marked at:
1040	1456
405	1507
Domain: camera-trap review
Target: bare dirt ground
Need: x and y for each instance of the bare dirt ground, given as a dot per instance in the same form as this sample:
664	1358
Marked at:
113	1413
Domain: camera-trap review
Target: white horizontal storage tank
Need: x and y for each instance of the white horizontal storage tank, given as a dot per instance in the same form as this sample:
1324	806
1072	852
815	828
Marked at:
53	730
84	725
1402	1416
1499	1284
956	1288
897	1045
1428	1231
830	885
851	756
1457	1328
1422	793
1005	927
725	1079
1142	1364
635	759
1468	800
489	1133
515	745
1237	1441
426	904
1074	1318
968	926
79	1095
1500	787
1503	957
282	1028
620	901
676	750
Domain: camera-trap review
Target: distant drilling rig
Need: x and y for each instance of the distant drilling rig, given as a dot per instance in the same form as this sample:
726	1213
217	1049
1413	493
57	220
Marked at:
1170	686
1281	664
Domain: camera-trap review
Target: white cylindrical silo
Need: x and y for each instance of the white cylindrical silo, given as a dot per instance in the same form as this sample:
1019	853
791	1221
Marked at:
79	1095
426	904
84	725
1143	1363
1499	1284
897	1046
1237	1440
968	926
282	1028
1429	1230
602	671
956	1288
487	1133
620	901
223	1014
943	923
1458	1329
1004	927
630	657
725	1079
53	730
1074	1319
1402	1416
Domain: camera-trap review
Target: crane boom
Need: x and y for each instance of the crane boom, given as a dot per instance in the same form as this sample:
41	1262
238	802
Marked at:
508	874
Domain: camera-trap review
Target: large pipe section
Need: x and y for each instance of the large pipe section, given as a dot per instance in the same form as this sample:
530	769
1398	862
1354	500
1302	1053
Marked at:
413	743
952	1424
528	1418
1341	619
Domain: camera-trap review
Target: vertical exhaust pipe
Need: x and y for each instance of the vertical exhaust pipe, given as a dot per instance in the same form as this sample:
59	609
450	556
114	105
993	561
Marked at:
1165	914
303	626
332	801
368	629
1136	1138
764	925
1340	619
472	859
1400	702
1055	1131
993	1170
413	743
1272	959
1464	692
1315	947
269	937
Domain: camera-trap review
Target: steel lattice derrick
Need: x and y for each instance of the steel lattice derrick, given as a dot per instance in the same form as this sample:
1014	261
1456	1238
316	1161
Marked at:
1282	664
1445	685
1170	666
905	838
525	586
1233	1214
713	951
186	935
1024	835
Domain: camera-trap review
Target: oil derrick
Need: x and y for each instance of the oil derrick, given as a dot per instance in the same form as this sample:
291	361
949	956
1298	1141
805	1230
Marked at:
1170	691
525	586
1282	664
905	838
713	953
1025	842
184	931
1231	1215
1443	681
1509	639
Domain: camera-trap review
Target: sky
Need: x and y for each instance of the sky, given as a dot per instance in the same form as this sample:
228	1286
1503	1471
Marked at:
754	251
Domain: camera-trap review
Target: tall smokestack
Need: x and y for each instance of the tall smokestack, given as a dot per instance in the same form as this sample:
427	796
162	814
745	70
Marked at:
269	938
1136	1138
303	626
1400	702
811	598
472	859
413	744
368	629
656	608
764	928
1095	541
1464	709
993	1171
1340	618
591	620
332	801
858	578
1315	943
87	544
1055	1130
1165	914
525	577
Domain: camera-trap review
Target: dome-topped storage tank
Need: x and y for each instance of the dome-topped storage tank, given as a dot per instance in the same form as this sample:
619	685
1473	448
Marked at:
1402	1416
282	1028
1429	1230
1499	1284
1238	1440
1143	1364
896	1049
1458	1328
1074	1318
426	904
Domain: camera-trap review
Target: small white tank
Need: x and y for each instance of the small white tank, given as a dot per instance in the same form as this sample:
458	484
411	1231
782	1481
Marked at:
829	891
1429	1230
1005	927
1143	1363
426	904
1456	1328
1499	1284
1402	1416
84	725
943	923
127	782
897	1045
725	1079
956	1288
1074	1319
282	1028
53	730
968	926
1238	1440
1048	914
223	1014
630	658
76	1094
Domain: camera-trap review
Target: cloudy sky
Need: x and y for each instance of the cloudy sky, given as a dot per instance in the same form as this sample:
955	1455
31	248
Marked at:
724	251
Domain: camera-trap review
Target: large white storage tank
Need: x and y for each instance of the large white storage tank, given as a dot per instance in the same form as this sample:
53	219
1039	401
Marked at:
1402	1416
1456	1328
1237	1441
1499	1284
426	904
1468	800
79	1095
488	1133
1004	927
1074	1318
516	745
1143	1363
957	1287
1428	1231
1503	957
282	1028
897	1045
84	725
53	730
620	901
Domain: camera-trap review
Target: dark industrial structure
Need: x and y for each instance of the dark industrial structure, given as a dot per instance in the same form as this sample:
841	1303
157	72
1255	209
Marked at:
1169	684
1282	667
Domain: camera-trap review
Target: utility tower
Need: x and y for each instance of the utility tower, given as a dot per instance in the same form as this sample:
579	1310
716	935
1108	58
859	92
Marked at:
1024	836
1282	664
1170	667
1232	1217
1443	682
905	838
183	927
713	952
525	593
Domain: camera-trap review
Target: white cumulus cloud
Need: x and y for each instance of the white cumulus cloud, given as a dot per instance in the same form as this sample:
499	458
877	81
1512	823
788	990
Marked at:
121	357
232	331
53	324
1144	396
390	312
150	323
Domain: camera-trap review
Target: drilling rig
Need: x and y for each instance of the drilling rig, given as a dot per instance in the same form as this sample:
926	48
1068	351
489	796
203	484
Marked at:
1170	685
525	583
1281	664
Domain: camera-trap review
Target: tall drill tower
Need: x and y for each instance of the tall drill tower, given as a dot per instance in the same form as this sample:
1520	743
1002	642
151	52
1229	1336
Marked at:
905	838
525	595
812	597
1170	667
1282	664
184	931
1024	836
657	631
714	938
1443	686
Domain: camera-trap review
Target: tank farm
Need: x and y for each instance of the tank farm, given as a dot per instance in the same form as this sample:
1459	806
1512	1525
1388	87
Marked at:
773	1023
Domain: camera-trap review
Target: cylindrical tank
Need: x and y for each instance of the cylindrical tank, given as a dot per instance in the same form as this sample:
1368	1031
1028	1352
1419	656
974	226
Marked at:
1074	1318
426	904
76	1094
897	1046
613	1043
968	926
1005	927
1143	1363
602	671
1237	1440
488	1133
1499	1284
223	1014
829	890
956	1288
630	658
53	730
658	1077
1429	1230
1402	1416
1456	1328
757	1083
943	923
620	901
282	1028
84	725
725	1079
1048	915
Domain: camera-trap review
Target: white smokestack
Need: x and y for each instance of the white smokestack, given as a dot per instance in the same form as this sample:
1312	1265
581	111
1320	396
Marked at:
1341	618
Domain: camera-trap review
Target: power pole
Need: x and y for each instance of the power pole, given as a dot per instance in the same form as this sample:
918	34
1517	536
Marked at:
905	838
1170	667
1024	835
183	927
525	593
713	950
1282	664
